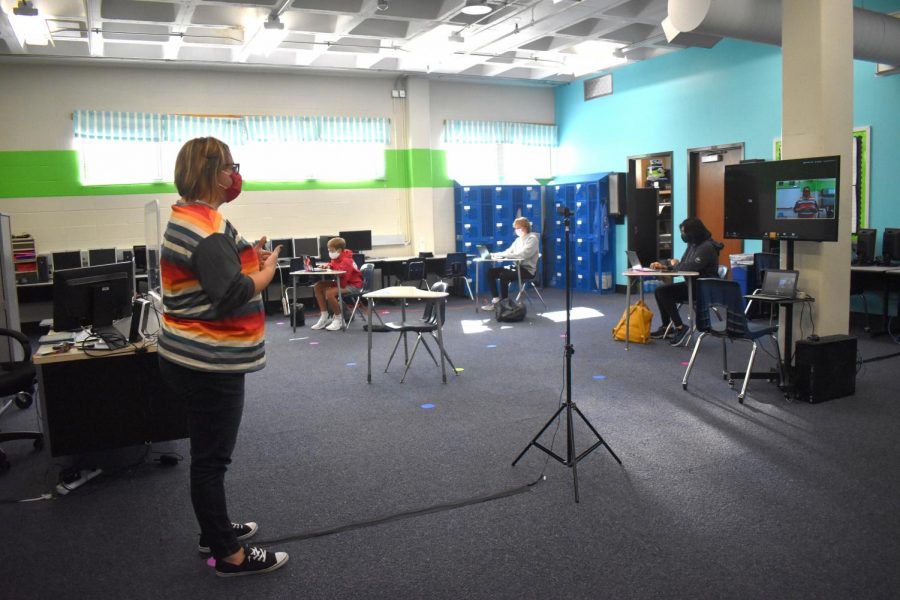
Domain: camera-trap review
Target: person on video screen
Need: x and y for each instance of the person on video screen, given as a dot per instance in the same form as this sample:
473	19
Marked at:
806	207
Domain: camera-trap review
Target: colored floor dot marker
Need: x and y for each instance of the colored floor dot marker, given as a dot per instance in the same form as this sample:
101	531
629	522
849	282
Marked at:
491	346
562	335
314	343
684	363
211	562
599	376
459	369
351	364
427	406
279	322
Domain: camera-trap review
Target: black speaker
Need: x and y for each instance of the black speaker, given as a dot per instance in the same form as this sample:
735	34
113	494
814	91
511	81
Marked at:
617	194
43	268
825	368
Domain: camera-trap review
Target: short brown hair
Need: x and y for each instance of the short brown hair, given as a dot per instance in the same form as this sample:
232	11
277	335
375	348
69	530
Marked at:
199	162
338	243
522	222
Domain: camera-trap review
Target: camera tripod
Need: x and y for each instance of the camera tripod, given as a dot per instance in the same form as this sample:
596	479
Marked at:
571	460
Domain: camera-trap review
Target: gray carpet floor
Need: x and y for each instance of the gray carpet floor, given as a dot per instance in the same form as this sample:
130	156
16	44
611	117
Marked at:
770	499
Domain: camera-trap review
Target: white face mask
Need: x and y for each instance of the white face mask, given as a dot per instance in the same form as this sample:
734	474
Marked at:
333	255
520	232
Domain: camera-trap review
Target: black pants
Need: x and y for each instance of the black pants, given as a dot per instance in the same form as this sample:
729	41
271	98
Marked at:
667	297
506	276
215	403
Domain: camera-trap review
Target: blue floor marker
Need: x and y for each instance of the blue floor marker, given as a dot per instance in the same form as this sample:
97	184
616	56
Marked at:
427	406
491	346
599	376
351	364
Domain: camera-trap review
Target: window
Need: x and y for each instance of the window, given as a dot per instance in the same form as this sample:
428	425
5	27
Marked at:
105	162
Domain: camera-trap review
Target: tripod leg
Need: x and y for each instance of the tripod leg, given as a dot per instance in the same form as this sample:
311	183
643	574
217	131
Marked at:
599	437
571	461
539	433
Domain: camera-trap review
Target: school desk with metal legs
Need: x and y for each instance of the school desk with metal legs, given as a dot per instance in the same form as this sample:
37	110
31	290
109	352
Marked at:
478	262
336	275
403	293
113	399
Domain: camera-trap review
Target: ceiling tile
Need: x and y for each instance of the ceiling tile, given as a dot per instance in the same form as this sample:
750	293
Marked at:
640	9
127	10
630	34
208	14
585	28
63	29
541	44
384	28
62	48
135	32
356	45
137	51
352	6
197	53
204	35
387	64
414	9
313	22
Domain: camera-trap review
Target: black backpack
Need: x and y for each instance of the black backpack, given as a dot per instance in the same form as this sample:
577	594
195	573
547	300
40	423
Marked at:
509	310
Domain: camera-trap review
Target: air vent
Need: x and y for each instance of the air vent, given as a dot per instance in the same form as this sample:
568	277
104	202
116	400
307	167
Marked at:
597	87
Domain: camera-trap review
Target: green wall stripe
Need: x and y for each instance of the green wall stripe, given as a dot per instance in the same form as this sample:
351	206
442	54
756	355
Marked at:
47	173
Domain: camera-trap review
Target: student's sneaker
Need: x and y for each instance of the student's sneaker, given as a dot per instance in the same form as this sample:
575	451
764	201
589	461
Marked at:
661	333
243	531
337	323
680	336
256	561
490	306
324	319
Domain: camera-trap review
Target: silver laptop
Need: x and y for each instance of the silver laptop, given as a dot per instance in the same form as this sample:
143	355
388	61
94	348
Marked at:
778	284
635	262
483	252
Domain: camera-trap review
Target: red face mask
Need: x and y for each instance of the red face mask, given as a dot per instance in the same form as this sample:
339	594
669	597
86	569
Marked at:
234	190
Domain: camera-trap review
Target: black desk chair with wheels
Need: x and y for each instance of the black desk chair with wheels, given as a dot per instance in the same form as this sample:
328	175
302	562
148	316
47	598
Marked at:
428	324
720	313
17	380
456	267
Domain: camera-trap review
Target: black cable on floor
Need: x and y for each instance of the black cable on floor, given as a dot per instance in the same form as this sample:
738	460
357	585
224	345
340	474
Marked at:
404	515
883	357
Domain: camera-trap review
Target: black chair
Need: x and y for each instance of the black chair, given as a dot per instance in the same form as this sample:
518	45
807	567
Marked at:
359	258
718	297
17	378
427	324
722	273
529	281
456	267
368	276
415	271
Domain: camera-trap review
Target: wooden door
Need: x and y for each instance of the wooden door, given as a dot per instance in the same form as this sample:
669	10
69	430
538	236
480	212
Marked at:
708	192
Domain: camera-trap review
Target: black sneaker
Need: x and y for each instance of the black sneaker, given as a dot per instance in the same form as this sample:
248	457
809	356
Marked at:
256	561
243	531
681	335
661	333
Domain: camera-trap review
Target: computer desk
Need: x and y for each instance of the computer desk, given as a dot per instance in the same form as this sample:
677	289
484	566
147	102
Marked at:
110	399
295	275
880	277
637	276
479	260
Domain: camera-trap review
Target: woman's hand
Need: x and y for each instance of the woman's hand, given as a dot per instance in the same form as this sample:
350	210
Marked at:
656	265
261	253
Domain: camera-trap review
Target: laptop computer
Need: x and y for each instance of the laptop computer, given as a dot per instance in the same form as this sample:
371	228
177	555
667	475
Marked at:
635	262
777	285
483	252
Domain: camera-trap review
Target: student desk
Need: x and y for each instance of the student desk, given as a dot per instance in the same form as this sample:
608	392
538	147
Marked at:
637	276
405	292
396	266
295	275
110	399
480	260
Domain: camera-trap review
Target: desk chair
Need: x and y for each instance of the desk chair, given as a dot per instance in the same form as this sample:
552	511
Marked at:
359	258
529	281
17	380
722	273
415	271
368	277
427	324
718	297
456	267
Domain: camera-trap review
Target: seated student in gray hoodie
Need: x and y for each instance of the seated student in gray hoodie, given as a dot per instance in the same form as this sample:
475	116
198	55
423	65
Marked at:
526	247
702	255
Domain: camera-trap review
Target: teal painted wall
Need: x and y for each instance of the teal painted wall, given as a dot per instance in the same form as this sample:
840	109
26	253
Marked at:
728	94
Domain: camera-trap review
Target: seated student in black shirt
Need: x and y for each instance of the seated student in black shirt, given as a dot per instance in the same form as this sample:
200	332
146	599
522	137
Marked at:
702	255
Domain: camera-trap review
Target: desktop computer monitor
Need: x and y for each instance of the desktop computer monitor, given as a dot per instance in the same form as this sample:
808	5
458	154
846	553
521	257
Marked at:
865	246
92	296
358	240
140	259
890	245
306	247
71	259
101	256
287	247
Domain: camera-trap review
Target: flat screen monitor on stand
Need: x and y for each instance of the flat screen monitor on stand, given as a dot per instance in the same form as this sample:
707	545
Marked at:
70	259
93	297
358	241
890	246
864	252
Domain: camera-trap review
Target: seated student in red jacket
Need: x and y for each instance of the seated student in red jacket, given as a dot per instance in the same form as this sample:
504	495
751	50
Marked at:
327	292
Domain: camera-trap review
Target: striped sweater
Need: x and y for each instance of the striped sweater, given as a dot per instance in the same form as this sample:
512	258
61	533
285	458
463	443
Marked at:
212	319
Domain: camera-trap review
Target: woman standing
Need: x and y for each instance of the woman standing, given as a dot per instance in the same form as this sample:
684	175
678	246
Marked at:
212	334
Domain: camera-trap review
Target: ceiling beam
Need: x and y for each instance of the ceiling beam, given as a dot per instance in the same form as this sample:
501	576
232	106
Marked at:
93	24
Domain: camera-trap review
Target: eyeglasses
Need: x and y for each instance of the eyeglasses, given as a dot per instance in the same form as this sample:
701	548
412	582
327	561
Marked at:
236	167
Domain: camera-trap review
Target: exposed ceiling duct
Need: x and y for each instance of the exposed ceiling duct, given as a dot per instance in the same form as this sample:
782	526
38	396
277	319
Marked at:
876	36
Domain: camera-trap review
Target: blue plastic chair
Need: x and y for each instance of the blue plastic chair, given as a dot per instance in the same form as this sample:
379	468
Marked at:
720	313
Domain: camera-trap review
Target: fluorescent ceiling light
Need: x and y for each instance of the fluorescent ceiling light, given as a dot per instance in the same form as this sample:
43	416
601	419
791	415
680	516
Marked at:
477	7
266	38
30	28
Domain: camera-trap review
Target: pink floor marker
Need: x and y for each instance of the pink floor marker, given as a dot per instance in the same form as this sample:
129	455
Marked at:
314	343
211	562
684	363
